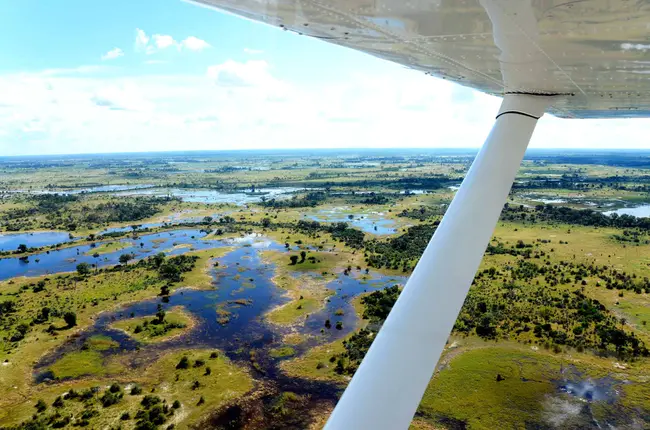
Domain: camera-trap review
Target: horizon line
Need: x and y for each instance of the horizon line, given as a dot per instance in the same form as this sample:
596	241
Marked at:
364	149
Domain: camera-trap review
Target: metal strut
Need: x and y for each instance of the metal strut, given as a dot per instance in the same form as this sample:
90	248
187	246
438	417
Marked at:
388	386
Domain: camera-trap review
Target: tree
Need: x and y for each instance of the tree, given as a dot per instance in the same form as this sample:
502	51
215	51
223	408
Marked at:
266	222
170	271
70	318
303	254
160	314
207	219
21	331
83	269
40	405
294	260
158	259
40	286
125	258
22	248
184	363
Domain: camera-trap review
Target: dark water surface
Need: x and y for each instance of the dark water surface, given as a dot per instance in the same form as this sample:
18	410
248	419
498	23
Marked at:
66	259
241	274
11	241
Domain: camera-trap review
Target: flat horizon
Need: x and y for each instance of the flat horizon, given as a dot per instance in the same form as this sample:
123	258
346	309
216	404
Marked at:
279	151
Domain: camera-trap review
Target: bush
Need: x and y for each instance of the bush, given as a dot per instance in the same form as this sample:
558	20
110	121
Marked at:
135	390
70	319
40	406
110	398
184	363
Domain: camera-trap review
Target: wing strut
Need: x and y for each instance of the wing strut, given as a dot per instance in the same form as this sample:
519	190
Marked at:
388	386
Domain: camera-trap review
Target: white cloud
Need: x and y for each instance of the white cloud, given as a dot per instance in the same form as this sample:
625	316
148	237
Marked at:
141	40
162	42
195	44
113	54
252	51
81	70
125	96
246	105
235	74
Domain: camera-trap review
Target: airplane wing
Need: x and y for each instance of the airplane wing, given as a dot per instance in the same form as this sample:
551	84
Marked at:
595	52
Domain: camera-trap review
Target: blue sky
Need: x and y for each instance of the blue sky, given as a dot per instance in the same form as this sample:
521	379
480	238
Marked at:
96	76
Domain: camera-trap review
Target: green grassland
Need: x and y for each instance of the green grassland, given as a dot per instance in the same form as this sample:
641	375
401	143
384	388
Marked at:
148	329
306	293
108	248
87	297
195	388
533	311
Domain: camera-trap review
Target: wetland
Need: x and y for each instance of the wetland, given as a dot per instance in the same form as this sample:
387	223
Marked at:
246	295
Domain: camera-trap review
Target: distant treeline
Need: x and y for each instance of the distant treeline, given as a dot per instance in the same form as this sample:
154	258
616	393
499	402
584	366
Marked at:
579	182
632	159
561	214
69	212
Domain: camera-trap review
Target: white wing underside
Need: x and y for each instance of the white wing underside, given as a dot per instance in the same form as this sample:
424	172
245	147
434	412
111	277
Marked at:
596	53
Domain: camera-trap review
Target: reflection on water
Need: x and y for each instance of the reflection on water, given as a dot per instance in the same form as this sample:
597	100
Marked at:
97	189
370	222
66	259
642	211
11	241
214	196
241	275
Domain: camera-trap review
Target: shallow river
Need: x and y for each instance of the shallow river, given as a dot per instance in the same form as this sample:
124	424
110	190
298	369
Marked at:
172	242
241	274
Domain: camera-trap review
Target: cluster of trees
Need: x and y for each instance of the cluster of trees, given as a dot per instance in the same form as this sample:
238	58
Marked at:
122	211
310	199
375	199
171	269
562	214
523	301
632	236
69	212
377	306
339	231
21	249
543	304
158	326
402	251
579	181
423	213
153	411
